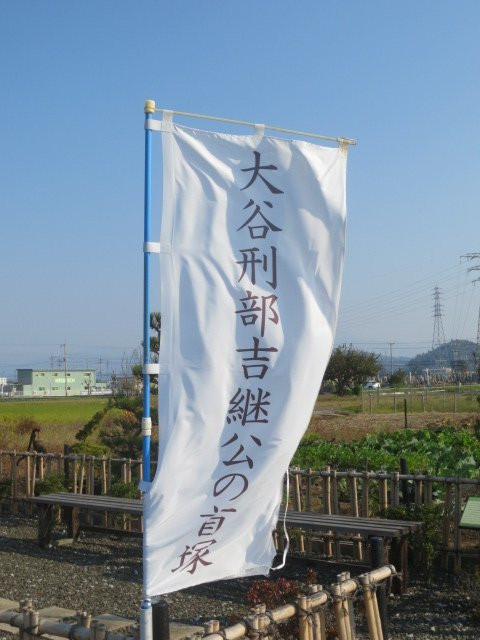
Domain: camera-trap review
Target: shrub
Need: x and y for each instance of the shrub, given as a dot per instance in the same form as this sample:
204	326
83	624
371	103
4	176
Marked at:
121	489
5	488
90	448
53	483
273	593
27	425
424	544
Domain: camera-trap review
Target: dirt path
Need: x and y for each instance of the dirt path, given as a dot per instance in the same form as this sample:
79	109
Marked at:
335	425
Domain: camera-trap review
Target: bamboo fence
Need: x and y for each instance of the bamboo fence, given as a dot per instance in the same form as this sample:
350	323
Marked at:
309	615
370	493
329	491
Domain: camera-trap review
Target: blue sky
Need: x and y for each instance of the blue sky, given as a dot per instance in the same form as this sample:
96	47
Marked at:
402	78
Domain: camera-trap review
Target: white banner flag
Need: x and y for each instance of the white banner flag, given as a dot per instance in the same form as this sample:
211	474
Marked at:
252	246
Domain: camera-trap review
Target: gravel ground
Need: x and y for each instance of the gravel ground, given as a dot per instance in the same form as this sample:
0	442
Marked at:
102	574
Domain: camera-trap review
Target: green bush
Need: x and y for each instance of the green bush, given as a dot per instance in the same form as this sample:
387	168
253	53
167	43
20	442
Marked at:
90	448
121	489
53	483
5	489
424	544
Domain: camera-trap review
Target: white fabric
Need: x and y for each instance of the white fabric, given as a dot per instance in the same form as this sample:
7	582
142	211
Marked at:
232	205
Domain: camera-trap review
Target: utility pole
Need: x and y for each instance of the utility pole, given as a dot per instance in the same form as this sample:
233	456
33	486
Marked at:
475	256
391	358
64	345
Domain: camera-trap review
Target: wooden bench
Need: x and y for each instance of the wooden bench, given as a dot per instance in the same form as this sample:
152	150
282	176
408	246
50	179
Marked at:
375	531
396	532
72	504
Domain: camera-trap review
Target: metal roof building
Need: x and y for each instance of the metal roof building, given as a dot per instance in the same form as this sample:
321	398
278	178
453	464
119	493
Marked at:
58	382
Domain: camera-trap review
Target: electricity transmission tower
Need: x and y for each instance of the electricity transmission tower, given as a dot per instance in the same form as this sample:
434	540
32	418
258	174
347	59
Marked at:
438	332
475	256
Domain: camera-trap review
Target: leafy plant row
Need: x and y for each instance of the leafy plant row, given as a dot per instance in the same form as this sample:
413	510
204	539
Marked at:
437	451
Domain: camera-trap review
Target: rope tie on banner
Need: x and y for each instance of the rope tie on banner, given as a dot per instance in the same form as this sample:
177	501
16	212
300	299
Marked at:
258	133
287	546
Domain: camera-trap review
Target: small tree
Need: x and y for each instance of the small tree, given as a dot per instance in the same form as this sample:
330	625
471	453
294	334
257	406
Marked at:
397	378
349	368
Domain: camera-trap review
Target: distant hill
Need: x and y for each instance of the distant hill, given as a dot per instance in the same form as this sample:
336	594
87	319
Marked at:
456	354
397	362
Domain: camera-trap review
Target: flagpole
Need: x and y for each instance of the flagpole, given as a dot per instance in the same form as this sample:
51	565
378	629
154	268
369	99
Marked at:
146	632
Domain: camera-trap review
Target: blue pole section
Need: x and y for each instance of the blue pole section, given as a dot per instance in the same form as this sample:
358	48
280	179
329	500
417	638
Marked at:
146	421
146	629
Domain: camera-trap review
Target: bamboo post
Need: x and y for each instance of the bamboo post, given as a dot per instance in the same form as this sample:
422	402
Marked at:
309	490
395	489
34	474
327	501
254	627
264	622
297	493
302	618
308	500
92	475
357	542
343	577
457	530
33	621
335	509
327	509
428	493
418	489
298	504
82	474
371	608
41	467
24	635
129	470
319	631
446	524
109	474
14	480
365	501
75	475
88	476
336	506
341	612
104	475
27	477
124	471
383	491
352	481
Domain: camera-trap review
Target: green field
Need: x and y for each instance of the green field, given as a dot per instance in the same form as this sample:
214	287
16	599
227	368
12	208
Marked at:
59	420
54	411
384	401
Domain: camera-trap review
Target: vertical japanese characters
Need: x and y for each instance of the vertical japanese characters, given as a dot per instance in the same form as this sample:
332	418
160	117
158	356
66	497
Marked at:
256	310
